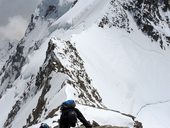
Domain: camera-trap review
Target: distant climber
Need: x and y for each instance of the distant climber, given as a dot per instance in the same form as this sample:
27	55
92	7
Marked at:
138	124
69	115
44	125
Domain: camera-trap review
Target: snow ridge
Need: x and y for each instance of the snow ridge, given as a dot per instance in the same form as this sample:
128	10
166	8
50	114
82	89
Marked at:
95	53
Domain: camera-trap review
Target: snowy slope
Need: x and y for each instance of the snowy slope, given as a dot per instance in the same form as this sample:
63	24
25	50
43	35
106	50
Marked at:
92	52
128	69
130	73
7	48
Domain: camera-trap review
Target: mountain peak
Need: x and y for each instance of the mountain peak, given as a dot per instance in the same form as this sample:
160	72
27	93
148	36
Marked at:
110	56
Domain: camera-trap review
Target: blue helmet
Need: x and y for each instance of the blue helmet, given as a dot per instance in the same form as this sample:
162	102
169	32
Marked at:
68	104
44	125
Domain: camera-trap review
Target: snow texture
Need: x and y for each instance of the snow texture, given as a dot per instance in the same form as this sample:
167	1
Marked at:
80	50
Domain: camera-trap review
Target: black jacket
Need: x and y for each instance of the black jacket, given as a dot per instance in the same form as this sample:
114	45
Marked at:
63	123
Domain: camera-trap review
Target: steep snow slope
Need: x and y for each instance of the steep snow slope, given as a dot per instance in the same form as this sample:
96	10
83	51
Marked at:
152	18
82	13
29	78
92	52
126	67
127	73
7	48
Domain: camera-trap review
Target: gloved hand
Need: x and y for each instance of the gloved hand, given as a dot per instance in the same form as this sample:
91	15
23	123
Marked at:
88	125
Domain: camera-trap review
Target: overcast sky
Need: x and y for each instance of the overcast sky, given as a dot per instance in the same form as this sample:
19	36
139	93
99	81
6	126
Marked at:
14	17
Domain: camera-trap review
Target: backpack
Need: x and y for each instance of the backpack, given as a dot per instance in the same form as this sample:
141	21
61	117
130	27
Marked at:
68	114
44	125
72	118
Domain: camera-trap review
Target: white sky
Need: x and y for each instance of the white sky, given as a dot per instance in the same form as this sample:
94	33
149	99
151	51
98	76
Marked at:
14	17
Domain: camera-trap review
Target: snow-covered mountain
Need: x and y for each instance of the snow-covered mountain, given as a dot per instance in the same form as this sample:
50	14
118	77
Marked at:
105	54
7	48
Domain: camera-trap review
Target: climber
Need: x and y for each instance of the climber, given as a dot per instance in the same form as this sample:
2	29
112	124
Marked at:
69	115
44	125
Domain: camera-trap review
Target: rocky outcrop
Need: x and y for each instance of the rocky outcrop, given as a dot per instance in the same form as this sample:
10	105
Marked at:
12	69
151	18
55	61
28	92
7	48
31	25
116	16
79	79
12	113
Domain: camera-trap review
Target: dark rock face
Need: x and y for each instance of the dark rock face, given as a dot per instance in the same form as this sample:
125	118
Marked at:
12	69
76	72
52	9
31	25
115	17
148	15
42	81
78	78
12	113
28	92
